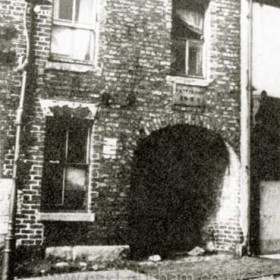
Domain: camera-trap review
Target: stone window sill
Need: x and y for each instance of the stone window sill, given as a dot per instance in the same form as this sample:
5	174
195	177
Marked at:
72	67
188	81
67	217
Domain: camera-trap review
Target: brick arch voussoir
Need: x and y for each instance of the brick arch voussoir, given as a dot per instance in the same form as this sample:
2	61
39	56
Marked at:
146	127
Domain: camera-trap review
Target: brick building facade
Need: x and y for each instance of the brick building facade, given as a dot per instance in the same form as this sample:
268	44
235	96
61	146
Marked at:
88	106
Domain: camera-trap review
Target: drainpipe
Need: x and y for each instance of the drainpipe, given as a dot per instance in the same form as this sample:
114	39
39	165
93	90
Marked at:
9	248
246	121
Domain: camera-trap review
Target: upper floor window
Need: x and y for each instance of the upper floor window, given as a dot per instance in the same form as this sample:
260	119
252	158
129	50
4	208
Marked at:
74	30
188	38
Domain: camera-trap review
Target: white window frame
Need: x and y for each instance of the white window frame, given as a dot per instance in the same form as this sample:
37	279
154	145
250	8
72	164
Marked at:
93	27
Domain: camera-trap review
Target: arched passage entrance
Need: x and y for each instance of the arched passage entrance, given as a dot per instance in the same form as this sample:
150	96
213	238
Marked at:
177	175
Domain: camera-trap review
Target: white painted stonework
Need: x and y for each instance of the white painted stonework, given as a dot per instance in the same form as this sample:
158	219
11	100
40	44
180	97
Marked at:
47	104
230	189
5	194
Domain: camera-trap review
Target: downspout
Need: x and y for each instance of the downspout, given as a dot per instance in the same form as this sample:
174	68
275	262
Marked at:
9	248
249	117
246	121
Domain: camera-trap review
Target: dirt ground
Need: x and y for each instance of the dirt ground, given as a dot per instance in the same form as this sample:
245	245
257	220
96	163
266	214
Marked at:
235	269
183	269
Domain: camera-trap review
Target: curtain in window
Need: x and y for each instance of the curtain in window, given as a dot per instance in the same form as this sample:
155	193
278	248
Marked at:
82	44
73	43
193	19
84	14
85	11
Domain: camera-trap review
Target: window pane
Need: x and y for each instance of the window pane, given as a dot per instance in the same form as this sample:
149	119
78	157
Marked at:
83	45
77	144
179	51
75	188
55	141
61	41
85	11
52	186
195	59
73	43
65	9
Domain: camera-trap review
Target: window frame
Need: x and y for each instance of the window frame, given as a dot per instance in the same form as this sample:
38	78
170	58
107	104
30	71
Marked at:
205	44
201	43
64	164
93	27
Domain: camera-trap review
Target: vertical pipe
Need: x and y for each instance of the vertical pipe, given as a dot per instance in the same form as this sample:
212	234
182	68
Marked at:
246	96
8	254
249	118
9	247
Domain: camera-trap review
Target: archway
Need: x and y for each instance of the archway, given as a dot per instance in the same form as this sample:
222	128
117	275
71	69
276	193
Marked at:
176	185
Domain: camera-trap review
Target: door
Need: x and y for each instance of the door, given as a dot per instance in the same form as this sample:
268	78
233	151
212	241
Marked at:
269	217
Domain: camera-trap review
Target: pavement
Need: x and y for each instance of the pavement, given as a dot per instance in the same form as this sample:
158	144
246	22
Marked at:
230	269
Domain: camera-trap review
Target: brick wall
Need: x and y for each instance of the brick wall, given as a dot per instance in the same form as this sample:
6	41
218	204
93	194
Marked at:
10	81
138	102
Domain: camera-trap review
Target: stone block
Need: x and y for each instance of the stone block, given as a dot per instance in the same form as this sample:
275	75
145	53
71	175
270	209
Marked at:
89	253
100	253
63	252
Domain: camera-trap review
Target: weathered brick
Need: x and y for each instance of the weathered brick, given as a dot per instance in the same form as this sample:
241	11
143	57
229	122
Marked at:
121	32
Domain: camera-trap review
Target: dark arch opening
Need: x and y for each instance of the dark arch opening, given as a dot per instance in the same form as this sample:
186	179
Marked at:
175	186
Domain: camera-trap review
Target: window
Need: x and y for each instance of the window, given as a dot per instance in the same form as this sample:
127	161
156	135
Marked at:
74	30
66	165
188	38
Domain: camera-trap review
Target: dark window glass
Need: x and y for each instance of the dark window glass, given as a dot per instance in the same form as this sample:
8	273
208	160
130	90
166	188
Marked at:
195	59
52	186
192	60
77	144
55	141
179	63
